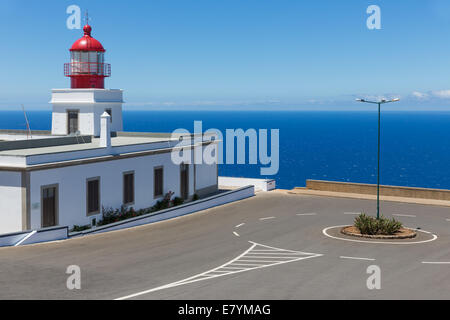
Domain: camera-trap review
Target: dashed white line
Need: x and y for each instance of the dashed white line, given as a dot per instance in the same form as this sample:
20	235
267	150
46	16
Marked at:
266	218
404	215
236	234
239	225
447	219
306	214
355	213
436	262
356	258
236	265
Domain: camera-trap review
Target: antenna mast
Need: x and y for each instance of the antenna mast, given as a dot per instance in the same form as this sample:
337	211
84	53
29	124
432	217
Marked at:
28	124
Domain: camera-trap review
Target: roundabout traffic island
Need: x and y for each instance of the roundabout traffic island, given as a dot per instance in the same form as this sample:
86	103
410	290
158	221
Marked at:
402	233
369	227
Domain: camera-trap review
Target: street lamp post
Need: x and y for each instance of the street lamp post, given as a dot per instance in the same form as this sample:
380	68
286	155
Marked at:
379	103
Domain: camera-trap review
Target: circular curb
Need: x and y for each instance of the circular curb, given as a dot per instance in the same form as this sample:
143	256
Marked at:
411	234
362	240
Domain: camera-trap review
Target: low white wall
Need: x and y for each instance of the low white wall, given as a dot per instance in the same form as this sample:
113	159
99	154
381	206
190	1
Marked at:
260	184
213	201
10	239
47	234
36	236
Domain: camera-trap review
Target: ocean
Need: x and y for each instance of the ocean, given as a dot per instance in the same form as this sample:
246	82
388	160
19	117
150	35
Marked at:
324	145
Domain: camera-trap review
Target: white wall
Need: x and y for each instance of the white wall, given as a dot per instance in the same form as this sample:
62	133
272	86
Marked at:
72	186
88	117
206	176
260	184
91	103
10	202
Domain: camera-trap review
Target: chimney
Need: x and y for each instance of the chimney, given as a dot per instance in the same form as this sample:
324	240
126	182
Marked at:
105	130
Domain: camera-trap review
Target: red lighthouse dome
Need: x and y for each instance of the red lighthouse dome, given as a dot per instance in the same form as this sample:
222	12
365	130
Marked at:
87	68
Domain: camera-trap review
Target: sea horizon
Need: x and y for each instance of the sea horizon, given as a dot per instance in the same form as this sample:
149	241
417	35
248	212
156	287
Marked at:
332	145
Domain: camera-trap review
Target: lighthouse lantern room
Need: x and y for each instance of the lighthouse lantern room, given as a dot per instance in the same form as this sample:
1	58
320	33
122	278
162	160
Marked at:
87	68
78	110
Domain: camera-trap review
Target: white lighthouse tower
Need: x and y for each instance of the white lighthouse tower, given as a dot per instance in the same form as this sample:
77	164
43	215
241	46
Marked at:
78	110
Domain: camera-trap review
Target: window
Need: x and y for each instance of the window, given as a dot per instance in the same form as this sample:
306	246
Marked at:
49	206
158	181
128	188
72	121
93	196
109	111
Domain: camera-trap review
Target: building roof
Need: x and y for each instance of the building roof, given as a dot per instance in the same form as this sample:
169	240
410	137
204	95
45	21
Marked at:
87	43
25	153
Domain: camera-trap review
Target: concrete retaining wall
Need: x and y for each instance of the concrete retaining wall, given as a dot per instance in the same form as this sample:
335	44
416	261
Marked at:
393	191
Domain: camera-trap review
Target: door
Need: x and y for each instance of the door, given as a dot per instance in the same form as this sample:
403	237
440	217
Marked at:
49	206
184	181
72	122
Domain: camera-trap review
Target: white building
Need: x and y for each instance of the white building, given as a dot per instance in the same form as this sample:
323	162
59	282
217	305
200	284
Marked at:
66	176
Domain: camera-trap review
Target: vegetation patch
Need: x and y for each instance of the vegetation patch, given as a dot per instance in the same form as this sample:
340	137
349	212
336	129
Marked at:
383	228
110	215
372	226
77	228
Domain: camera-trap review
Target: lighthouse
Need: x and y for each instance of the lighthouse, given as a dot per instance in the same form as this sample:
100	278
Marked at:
78	110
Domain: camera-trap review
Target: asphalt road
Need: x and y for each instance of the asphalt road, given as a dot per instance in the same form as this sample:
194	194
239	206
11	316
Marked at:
148	262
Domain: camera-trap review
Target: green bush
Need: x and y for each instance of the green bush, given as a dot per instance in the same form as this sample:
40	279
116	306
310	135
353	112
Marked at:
77	228
371	226
110	215
177	201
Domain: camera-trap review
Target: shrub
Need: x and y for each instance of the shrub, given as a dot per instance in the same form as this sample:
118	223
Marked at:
178	201
372	226
77	228
110	215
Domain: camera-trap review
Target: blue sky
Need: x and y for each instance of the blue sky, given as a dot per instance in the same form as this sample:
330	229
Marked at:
236	53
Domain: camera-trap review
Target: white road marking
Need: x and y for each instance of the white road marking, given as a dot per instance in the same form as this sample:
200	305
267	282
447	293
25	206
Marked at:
224	269
404	215
266	218
236	234
356	258
355	213
436	262
306	214
239	225
25	238
325	232
276	253
447	219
